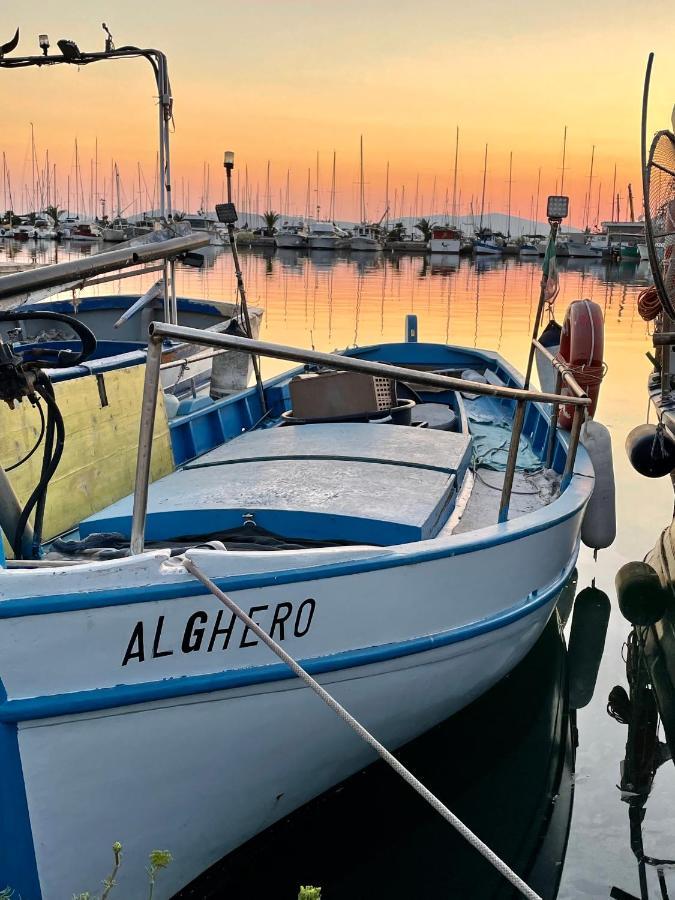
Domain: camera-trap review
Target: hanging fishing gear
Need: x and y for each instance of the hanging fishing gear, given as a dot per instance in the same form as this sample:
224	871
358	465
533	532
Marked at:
23	377
658	189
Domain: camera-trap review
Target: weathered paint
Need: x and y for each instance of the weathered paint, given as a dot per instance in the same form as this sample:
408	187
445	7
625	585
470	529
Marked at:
99	458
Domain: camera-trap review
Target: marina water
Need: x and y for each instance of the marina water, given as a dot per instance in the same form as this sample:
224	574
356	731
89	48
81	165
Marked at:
331	301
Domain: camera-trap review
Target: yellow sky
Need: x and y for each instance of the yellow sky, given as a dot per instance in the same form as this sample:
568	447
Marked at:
280	81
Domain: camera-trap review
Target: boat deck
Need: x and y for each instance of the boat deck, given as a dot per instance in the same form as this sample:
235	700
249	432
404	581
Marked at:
350	482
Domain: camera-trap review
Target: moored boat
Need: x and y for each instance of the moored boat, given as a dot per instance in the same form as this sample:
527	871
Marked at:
365	534
445	240
292	236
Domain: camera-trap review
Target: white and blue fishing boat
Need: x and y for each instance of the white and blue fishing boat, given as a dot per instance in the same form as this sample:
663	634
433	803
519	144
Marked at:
401	518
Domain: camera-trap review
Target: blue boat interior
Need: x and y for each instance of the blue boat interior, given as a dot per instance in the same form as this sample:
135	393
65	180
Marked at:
253	478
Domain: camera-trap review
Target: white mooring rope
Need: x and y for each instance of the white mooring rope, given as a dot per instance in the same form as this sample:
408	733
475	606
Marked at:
356	726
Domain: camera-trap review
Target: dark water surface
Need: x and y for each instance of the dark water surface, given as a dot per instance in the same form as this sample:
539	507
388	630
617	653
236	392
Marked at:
502	762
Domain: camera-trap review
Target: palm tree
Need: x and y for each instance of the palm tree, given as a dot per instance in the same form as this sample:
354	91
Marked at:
271	218
397	233
425	226
54	213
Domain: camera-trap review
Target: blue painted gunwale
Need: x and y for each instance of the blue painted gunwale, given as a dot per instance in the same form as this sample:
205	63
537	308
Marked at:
75	702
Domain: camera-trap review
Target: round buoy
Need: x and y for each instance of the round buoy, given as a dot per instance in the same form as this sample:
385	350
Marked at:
642	598
651	450
586	644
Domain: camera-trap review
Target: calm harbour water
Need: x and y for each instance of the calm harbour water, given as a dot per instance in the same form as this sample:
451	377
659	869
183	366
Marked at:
330	301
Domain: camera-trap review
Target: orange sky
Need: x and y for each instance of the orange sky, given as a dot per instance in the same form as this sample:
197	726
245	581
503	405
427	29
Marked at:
280	81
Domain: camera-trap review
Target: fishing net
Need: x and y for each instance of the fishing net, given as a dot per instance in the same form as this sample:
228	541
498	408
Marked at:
660	216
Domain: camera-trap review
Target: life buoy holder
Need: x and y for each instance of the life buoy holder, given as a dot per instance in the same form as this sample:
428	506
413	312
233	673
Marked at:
582	345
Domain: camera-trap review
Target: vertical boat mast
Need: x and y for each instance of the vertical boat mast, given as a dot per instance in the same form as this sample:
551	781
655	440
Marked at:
562	177
590	182
332	190
630	203
454	180
508	226
614	195
386	199
362	199
482	201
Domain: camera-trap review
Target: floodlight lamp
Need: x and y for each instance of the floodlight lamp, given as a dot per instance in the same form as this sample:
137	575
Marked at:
43	40
228	162
557	207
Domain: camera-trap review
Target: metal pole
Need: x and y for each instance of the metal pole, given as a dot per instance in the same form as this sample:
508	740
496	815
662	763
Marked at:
554	423
174	301
351	363
518	419
143	459
242	292
542	300
78	270
575	434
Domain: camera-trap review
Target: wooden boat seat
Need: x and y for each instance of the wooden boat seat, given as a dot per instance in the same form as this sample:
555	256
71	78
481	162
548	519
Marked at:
355	482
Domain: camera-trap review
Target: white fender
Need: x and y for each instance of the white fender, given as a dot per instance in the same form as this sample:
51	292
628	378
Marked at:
598	528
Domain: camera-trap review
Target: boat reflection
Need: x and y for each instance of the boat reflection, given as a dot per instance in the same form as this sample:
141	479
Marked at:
647	707
504	765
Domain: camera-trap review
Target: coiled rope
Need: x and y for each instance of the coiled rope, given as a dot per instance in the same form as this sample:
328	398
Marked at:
365	735
649	303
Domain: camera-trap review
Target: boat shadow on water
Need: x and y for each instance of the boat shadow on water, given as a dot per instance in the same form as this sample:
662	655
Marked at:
504	765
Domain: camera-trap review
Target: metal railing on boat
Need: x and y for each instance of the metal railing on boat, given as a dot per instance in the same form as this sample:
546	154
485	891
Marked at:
521	396
78	270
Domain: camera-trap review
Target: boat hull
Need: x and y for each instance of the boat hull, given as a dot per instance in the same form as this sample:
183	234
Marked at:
147	737
486	249
441	245
291	241
324	242
364	243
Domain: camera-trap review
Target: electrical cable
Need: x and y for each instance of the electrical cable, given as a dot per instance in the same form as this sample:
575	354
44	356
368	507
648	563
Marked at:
35	445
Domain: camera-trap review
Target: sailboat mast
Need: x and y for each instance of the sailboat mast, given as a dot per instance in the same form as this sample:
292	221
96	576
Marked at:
32	145
562	177
508	225
614	195
386	199
117	188
332	190
482	202
318	201
590	181
362	198
454	179
630	203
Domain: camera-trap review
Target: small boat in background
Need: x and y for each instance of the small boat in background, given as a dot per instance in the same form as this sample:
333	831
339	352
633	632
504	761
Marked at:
488	244
445	239
292	236
365	237
85	231
325	235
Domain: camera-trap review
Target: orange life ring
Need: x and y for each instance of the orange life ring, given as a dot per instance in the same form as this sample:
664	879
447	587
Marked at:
582	345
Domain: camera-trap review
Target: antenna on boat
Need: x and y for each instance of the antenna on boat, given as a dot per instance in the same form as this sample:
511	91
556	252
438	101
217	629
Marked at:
557	209
227	214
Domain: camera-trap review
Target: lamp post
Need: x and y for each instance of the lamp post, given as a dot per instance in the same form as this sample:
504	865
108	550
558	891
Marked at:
228	215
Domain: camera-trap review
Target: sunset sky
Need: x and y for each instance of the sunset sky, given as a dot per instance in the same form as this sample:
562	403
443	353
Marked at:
281	81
